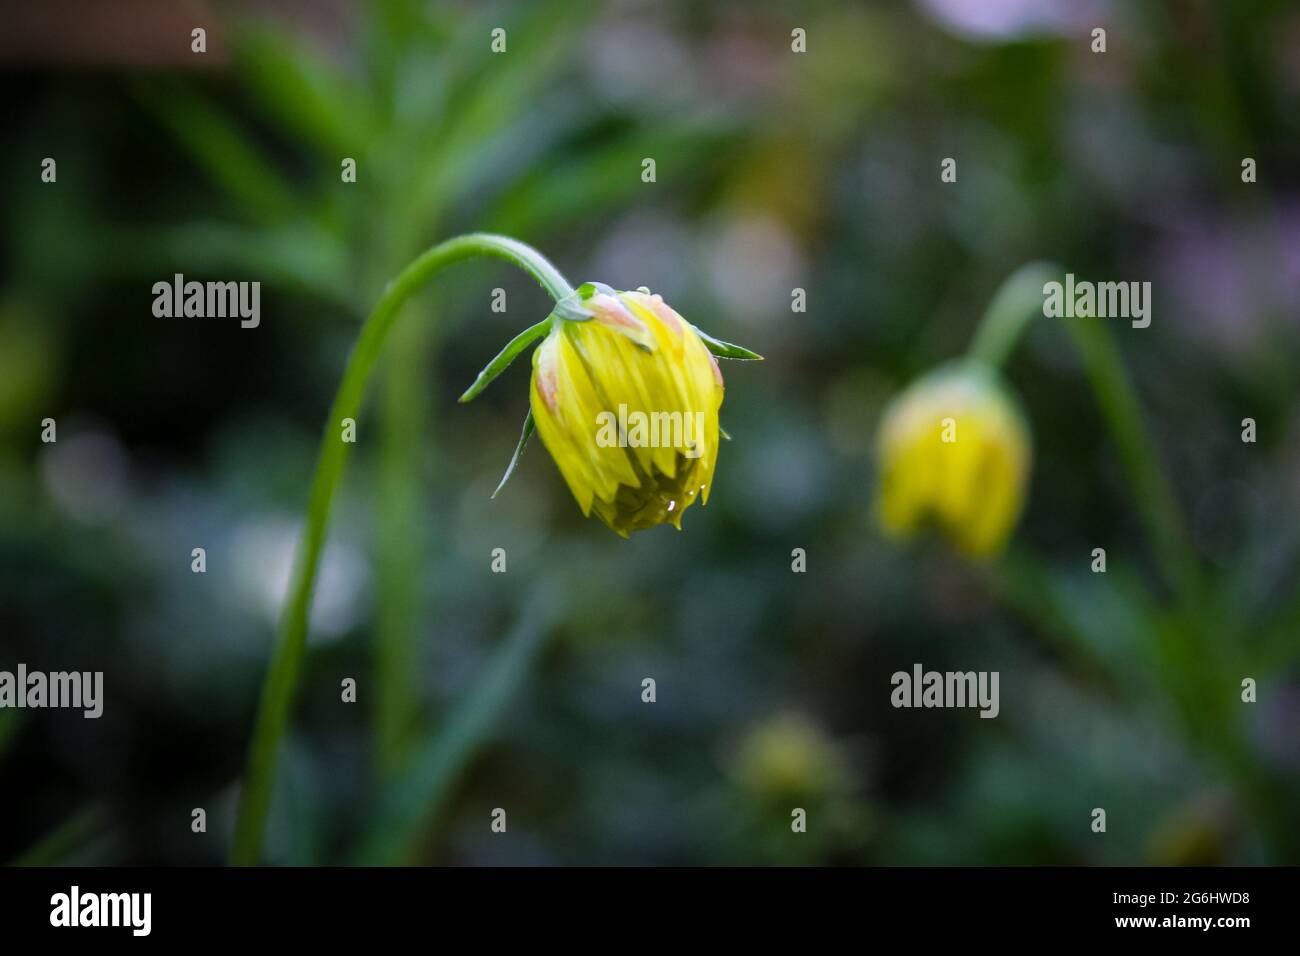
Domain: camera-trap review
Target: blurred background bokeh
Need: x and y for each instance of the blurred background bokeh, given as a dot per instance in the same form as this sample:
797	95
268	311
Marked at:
776	170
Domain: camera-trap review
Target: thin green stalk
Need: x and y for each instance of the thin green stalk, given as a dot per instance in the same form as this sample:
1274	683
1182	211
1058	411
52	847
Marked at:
1016	304
1013	306
1184	643
1180	641
401	514
413	800
402	521
287	655
1156	505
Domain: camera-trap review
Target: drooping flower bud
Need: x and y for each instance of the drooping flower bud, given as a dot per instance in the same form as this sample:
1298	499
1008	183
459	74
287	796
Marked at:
954	452
627	404
625	395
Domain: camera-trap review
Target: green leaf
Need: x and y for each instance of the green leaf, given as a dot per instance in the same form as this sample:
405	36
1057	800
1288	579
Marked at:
222	150
579	178
524	435
304	91
69	838
726	350
411	807
485	101
297	256
505	357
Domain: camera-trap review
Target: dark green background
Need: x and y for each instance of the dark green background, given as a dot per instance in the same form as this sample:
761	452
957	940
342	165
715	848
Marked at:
775	170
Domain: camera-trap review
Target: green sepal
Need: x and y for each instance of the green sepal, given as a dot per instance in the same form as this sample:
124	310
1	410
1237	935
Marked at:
505	357
519	451
571	308
725	349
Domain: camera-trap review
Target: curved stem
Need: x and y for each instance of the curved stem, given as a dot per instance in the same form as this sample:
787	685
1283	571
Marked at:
287	655
1015	304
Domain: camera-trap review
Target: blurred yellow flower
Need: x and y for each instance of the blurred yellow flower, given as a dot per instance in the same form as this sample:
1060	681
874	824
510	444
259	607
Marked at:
787	755
627	404
954	452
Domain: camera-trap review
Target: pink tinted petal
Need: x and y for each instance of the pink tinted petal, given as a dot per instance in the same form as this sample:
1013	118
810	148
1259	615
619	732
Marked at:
612	314
546	380
662	311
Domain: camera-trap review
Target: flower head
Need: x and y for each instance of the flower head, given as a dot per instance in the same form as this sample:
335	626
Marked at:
627	404
625	395
954	452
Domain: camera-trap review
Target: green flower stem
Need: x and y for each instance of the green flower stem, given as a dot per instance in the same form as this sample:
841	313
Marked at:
287	655
1005	320
402	521
1180	640
1015	304
1156	504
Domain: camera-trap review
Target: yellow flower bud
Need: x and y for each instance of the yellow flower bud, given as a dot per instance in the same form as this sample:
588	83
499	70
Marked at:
788	756
954	452
627	404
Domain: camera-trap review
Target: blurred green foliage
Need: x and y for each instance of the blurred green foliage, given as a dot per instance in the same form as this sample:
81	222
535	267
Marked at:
775	170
